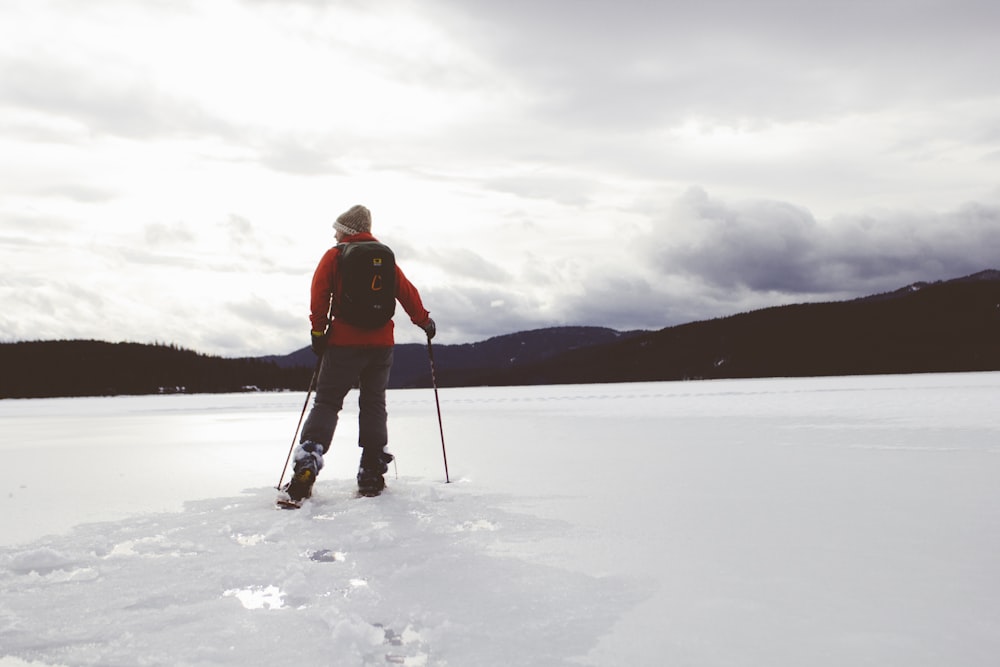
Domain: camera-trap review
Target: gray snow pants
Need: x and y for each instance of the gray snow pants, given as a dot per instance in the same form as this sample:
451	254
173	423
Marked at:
343	368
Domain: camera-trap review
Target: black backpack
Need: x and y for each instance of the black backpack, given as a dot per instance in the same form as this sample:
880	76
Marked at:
368	284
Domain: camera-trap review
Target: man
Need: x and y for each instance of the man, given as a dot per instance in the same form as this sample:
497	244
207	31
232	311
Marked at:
352	354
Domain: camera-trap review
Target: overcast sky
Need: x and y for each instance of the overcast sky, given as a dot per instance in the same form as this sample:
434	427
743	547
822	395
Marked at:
170	170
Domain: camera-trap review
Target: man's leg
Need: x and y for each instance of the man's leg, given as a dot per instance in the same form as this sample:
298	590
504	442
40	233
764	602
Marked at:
372	417
338	373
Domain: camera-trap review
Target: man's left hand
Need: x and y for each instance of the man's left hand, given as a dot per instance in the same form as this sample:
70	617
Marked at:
430	328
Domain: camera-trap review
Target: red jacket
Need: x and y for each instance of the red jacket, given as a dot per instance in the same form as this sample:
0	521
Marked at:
326	283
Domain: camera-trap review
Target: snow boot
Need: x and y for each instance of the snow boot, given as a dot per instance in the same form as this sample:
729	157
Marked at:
308	463
374	465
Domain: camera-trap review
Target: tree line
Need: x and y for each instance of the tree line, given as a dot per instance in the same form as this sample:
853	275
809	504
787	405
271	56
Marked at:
949	326
95	368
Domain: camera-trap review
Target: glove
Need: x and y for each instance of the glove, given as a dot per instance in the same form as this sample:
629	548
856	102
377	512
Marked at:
430	328
318	343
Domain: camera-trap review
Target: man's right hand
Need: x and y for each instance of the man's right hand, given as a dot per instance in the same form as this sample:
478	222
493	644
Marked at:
318	343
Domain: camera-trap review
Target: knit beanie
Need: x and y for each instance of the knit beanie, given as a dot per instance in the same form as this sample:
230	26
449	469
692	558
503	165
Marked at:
354	220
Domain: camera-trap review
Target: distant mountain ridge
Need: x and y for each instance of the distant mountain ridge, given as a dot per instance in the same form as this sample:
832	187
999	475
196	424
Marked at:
945	326
989	275
942	326
922	327
411	365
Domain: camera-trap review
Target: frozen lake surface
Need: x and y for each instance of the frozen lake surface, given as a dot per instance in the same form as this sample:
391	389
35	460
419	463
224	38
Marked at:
782	522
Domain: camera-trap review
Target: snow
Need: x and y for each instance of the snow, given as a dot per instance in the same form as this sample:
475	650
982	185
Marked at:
821	522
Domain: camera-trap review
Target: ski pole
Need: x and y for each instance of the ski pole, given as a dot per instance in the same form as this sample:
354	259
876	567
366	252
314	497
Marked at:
430	353
312	385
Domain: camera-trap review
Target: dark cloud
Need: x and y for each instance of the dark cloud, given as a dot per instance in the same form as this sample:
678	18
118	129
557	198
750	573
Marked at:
471	312
768	246
711	257
619	302
633	302
763	245
729	256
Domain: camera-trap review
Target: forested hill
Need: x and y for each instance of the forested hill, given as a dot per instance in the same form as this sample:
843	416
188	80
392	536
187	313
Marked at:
95	368
924	327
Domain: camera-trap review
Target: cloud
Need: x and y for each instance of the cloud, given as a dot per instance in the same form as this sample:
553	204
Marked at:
256	312
615	64
471	312
85	194
776	247
532	164
241	231
462	264
763	245
705	256
124	106
561	189
300	155
161	234
46	308
708	256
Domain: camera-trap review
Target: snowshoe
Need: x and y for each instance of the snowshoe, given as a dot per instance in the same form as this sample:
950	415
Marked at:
370	485
308	462
288	504
302	482
371	480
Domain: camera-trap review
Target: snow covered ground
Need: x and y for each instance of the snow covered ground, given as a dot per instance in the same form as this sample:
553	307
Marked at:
787	522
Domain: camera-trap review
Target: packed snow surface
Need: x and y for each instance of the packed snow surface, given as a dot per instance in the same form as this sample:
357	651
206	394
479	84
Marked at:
785	522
